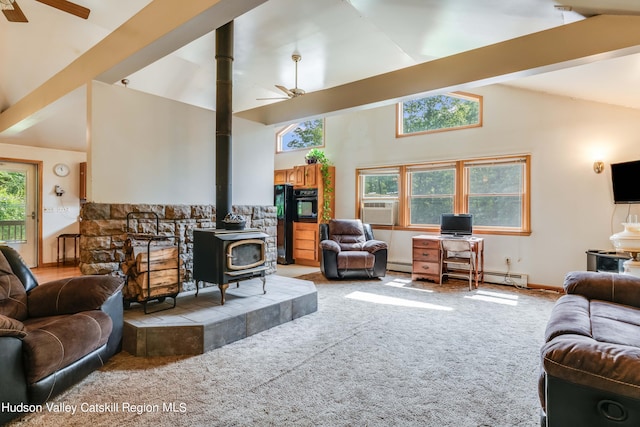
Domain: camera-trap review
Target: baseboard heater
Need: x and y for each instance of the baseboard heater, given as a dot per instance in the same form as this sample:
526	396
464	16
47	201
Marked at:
498	277
503	278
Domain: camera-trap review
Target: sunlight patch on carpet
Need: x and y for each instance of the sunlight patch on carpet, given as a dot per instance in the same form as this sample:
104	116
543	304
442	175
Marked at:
495	297
405	284
401	302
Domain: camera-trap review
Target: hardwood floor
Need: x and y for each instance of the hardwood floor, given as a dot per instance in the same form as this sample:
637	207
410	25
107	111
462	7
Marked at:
46	274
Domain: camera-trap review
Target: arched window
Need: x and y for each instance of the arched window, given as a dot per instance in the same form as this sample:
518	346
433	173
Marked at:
301	136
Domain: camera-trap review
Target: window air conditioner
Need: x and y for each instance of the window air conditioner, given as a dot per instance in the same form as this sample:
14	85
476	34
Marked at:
380	213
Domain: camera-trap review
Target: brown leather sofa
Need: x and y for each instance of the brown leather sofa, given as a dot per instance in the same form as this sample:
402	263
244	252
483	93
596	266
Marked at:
52	335
590	372
349	250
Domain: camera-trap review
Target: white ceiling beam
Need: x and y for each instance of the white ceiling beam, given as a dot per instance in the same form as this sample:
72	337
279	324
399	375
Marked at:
592	39
157	30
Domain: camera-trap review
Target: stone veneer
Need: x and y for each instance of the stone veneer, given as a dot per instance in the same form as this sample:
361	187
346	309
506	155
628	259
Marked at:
103	231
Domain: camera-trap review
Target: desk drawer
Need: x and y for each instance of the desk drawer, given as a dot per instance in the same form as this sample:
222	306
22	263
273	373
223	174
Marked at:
426	254
420	267
426	243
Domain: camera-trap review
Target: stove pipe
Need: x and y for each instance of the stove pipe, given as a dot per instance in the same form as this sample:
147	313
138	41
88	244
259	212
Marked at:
224	112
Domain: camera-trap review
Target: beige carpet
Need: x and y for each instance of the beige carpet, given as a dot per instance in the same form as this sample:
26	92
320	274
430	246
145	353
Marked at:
377	353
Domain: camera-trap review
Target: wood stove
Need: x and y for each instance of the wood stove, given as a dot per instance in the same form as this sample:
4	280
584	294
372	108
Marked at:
224	256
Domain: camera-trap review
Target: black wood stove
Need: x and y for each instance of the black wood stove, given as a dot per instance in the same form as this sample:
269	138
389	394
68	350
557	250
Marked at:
224	256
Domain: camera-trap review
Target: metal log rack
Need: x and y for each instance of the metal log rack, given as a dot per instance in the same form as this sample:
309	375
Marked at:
150	239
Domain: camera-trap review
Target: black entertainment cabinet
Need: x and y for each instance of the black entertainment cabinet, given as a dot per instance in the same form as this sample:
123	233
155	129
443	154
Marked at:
605	260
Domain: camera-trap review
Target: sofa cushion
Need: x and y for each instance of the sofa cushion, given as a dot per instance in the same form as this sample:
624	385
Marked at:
10	327
57	341
72	295
355	260
348	233
615	323
13	297
570	315
601	320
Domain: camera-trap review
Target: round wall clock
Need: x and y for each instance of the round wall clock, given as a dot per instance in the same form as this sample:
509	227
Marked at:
61	169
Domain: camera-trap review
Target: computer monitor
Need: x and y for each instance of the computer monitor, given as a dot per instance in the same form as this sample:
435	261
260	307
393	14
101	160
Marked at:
456	224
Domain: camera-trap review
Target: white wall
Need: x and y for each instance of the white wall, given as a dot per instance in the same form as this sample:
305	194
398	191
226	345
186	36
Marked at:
147	149
60	214
572	207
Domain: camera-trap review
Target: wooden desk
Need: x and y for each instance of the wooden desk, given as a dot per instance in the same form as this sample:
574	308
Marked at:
426	256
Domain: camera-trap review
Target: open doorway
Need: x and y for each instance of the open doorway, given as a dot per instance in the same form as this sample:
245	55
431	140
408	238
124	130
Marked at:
19	208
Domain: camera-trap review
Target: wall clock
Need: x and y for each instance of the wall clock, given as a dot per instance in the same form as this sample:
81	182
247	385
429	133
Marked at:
61	169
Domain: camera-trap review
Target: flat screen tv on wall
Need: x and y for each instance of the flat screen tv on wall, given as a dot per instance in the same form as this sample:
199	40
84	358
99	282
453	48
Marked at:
625	178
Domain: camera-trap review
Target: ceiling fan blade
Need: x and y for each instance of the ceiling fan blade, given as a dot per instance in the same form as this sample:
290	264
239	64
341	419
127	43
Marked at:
67	6
285	90
269	99
15	15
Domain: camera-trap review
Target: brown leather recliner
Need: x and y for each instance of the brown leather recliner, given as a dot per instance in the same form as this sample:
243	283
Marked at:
52	335
349	250
590	372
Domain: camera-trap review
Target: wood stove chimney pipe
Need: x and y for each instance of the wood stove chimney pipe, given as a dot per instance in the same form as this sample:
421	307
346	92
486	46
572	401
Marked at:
224	112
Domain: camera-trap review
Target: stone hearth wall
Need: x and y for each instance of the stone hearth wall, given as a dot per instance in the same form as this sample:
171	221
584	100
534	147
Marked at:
103	231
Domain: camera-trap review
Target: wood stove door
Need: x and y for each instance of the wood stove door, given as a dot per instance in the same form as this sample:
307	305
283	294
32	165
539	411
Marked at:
245	254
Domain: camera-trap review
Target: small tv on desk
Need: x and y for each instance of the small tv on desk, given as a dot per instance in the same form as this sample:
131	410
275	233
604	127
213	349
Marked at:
456	224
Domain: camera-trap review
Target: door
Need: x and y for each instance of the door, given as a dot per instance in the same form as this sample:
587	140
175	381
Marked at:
18	209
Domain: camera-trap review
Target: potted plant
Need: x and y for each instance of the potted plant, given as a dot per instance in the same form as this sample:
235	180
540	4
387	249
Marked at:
315	155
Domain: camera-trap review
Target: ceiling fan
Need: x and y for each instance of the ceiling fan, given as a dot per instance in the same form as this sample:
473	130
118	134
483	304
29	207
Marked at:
13	13
295	91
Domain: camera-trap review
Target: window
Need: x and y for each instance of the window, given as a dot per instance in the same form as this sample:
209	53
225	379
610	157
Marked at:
301	136
431	192
381	183
379	190
439	113
495	191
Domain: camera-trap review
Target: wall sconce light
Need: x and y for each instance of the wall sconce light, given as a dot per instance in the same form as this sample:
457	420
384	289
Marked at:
59	191
598	166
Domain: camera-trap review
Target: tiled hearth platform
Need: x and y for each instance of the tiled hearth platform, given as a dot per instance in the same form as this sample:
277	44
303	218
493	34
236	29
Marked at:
199	324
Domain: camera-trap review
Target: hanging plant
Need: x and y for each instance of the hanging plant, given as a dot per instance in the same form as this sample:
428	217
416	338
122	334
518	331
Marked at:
316	155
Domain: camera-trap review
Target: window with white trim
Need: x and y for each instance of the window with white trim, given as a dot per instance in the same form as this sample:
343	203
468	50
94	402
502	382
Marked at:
301	136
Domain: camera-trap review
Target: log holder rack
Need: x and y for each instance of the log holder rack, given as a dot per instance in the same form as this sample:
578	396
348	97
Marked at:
150	239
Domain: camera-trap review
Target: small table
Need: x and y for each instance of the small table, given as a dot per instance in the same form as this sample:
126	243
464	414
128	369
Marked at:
426	256
64	238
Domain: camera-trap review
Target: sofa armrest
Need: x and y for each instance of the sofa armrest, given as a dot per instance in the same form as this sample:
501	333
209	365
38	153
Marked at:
72	295
330	245
10	327
605	366
373	246
618	288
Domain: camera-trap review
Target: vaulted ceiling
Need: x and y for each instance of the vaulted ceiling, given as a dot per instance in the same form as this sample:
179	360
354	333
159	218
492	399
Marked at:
167	49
